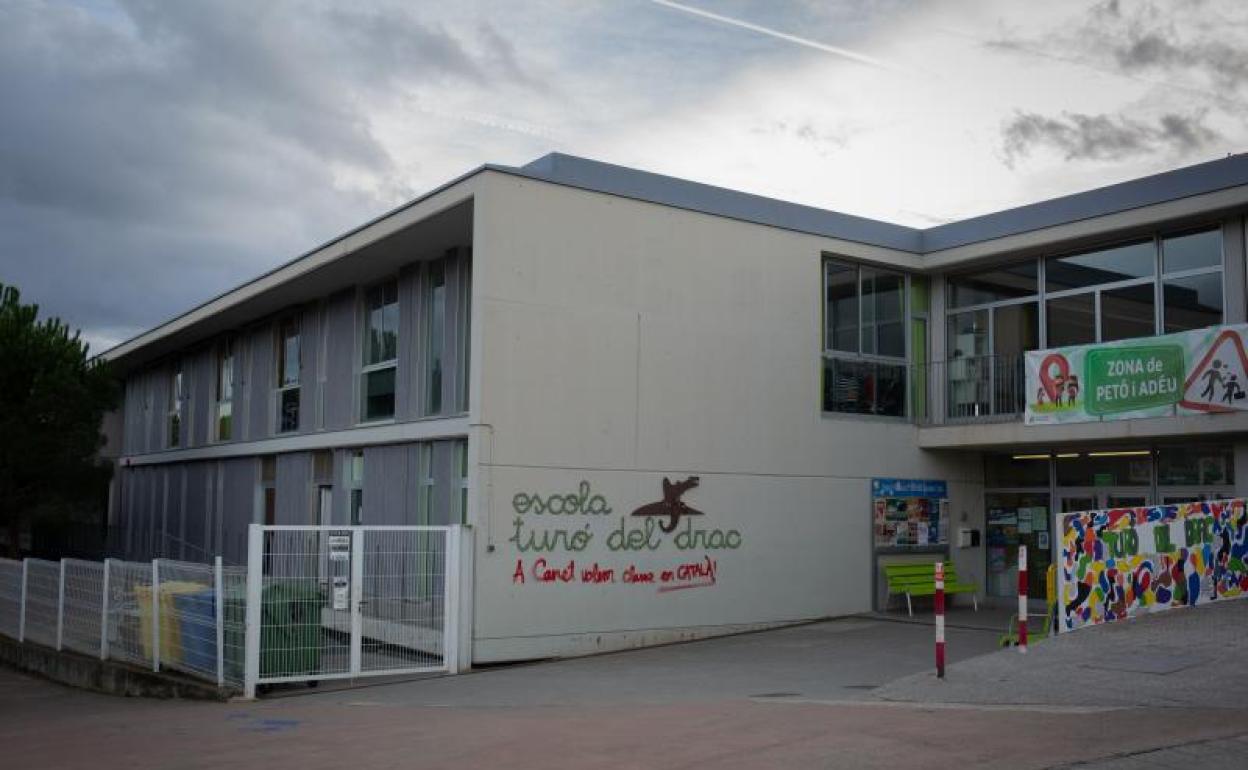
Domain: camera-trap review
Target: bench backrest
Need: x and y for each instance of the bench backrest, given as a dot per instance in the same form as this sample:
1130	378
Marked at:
922	574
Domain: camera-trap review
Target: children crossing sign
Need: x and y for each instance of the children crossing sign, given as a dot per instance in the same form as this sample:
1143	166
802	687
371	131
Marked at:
1198	372
1217	383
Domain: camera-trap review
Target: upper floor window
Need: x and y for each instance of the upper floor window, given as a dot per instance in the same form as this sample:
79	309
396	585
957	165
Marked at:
436	305
381	350
176	395
864	344
225	391
1191	282
288	372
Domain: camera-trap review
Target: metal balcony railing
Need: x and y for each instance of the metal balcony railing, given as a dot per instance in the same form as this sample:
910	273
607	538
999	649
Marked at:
973	389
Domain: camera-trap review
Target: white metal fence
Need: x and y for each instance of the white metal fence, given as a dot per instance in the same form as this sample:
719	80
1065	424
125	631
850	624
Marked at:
159	614
346	602
313	603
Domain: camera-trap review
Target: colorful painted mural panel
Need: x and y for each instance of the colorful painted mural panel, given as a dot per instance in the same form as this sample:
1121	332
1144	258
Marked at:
1119	563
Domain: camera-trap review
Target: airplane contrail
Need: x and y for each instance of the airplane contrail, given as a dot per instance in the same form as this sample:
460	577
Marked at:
834	50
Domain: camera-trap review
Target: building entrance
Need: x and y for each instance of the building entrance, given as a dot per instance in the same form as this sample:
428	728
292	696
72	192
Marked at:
1076	499
1025	492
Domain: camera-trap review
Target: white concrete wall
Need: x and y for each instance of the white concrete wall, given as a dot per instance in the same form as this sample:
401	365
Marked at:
619	342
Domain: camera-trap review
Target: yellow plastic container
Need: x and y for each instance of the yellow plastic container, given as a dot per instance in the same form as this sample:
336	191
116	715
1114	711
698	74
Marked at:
170	632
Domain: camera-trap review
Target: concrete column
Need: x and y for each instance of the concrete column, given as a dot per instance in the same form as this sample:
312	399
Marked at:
1233	271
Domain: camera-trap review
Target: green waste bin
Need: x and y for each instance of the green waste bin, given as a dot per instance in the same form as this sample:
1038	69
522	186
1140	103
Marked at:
290	622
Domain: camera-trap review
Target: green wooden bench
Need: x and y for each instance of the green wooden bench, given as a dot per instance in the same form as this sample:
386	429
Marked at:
920	580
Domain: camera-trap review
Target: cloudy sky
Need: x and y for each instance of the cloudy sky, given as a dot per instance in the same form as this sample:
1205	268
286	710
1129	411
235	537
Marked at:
154	153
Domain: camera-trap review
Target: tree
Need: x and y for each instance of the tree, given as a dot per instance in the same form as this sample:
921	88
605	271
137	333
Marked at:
53	397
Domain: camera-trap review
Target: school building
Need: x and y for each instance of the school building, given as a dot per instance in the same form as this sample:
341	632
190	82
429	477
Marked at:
665	410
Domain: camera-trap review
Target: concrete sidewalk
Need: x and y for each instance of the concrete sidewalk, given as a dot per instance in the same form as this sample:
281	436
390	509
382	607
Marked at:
1180	658
799	697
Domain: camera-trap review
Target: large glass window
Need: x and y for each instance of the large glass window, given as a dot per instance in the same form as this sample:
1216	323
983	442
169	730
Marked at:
1071	320
969	365
381	346
1093	268
1129	311
1193	302
288	371
883	301
1017	470
1192	284
225	391
1192	251
1000	283
1195	465
864	360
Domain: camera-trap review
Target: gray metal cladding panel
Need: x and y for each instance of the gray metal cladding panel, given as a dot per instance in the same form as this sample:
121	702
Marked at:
238	506
340	364
196	506
200	371
385	485
444	482
294	488
157	431
130	419
210	510
260	383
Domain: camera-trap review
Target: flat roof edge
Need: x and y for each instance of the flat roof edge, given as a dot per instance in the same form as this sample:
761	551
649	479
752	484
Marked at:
1190	181
139	341
649	187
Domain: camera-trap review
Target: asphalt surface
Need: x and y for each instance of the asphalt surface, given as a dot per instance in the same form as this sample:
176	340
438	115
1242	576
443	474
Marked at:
803	697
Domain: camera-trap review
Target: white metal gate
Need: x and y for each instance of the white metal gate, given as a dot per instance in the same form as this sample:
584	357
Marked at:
330	602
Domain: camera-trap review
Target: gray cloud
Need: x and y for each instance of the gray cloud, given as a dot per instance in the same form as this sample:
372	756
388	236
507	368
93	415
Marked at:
1078	136
154	154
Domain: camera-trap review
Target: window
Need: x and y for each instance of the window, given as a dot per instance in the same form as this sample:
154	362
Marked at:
1196	465
424	500
461	460
436	305
1093	268
1192	281
381	350
288	363
1000	283
864	356
225	390
355	486
176	395
1071	320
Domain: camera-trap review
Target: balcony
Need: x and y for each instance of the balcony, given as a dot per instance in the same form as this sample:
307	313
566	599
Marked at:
975	389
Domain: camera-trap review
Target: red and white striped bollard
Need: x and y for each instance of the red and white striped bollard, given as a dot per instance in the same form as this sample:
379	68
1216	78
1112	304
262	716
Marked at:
940	620
1022	598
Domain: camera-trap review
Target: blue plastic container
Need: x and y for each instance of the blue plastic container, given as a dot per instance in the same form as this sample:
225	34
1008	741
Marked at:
198	622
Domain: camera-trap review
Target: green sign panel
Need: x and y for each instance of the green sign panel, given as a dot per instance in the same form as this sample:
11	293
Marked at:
1127	379
1202	371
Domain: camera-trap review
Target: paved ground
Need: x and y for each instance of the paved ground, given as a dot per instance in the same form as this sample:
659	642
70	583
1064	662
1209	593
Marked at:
1170	659
800	697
